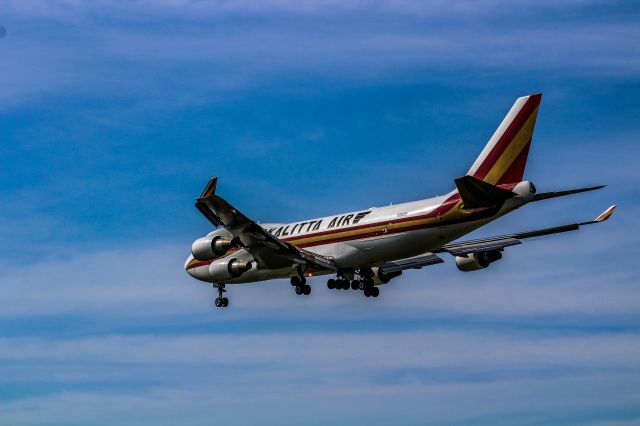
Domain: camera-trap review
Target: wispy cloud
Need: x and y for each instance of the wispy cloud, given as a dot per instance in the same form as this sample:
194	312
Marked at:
115	114
237	45
221	373
149	280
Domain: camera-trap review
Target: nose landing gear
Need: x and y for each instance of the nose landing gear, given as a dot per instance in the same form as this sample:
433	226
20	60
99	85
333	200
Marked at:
221	302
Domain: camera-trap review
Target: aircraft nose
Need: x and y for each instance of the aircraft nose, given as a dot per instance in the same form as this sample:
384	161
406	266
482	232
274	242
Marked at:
198	270
186	266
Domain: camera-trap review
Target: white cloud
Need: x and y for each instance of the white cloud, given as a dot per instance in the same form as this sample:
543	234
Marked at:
336	353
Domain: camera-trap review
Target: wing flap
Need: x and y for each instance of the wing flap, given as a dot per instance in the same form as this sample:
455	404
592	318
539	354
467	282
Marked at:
477	246
416	262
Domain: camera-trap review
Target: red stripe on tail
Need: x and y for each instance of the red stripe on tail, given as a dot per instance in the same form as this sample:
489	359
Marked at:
527	109
515	172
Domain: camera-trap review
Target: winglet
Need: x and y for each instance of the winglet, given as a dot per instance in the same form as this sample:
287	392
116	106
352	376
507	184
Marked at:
210	188
606	214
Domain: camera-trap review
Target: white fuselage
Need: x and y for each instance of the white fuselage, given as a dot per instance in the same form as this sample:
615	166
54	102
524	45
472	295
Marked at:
372	236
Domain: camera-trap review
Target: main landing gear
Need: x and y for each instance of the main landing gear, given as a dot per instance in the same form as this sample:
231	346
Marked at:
300	283
339	284
365	283
221	302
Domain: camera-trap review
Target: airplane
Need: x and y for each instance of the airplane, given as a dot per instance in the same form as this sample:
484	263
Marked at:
368	248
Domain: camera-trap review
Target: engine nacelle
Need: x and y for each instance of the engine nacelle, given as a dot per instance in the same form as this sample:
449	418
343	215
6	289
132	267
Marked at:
475	261
211	247
226	269
380	277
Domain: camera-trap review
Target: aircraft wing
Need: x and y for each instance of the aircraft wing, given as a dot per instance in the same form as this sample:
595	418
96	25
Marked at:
266	249
500	242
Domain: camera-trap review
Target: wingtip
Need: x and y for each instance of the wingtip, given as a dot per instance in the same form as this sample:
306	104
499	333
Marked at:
210	188
606	214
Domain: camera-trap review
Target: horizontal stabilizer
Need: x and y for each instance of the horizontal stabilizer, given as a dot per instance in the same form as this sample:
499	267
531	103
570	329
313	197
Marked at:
476	193
547	195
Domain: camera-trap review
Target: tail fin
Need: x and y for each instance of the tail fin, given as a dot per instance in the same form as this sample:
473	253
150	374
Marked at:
504	157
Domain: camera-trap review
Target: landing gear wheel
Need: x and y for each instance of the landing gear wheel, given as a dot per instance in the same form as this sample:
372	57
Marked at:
355	284
299	289
367	292
361	285
306	290
331	284
346	285
221	302
375	292
295	281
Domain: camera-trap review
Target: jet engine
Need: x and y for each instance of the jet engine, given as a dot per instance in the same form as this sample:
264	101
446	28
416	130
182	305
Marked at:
380	277
227	269
211	246
475	261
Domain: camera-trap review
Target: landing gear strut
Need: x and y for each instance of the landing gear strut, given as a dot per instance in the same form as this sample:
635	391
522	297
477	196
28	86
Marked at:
221	302
300	283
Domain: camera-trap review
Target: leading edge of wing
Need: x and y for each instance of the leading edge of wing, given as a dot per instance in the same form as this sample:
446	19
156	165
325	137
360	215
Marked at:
265	247
501	241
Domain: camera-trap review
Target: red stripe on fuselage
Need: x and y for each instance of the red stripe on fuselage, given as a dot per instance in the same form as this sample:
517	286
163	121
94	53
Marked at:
443	208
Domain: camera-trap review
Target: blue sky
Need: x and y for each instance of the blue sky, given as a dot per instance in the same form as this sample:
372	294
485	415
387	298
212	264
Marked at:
115	114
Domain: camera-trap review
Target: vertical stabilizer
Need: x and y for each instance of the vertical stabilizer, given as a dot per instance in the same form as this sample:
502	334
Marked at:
504	157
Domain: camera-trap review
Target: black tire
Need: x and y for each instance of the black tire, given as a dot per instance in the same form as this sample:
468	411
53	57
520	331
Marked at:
331	284
299	289
218	302
307	290
295	280
361	285
355	284
375	292
367	292
225	302
303	280
346	285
